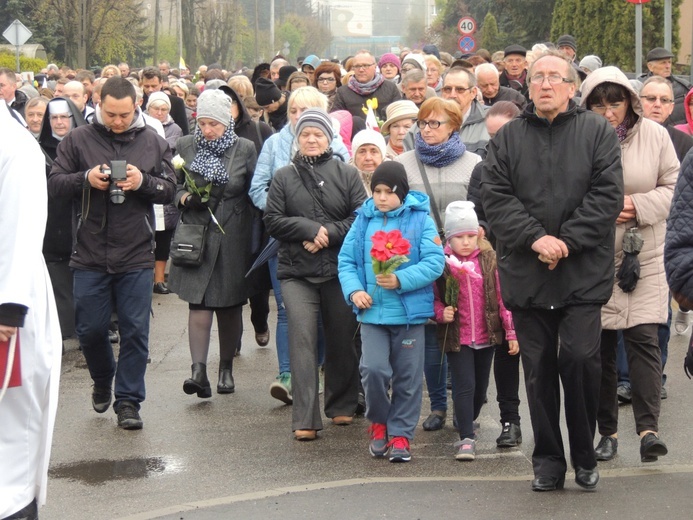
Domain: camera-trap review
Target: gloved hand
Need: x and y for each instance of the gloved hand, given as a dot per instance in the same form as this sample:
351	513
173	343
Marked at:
194	202
688	362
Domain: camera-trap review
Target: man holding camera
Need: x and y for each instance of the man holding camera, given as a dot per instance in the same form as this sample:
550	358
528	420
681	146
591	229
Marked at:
115	169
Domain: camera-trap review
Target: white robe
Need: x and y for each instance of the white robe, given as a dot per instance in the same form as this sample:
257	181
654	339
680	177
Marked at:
27	412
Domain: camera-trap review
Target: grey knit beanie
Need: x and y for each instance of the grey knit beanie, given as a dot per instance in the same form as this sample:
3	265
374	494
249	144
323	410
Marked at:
214	104
460	218
315	118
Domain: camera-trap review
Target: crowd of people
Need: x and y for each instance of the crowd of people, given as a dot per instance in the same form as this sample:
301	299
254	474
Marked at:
370	197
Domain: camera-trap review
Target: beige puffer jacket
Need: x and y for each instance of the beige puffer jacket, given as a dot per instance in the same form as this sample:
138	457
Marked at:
650	170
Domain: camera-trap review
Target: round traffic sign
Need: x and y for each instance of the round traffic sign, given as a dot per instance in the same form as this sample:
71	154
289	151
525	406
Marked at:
466	25
466	44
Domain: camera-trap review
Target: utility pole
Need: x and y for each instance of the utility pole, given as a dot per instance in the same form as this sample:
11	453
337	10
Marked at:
180	32
272	27
155	56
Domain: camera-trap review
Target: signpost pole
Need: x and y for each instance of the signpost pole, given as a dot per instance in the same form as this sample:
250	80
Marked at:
16	46
638	39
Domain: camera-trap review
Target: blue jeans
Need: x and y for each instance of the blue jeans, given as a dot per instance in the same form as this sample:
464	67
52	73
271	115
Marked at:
94	293
436	371
393	355
281	337
663	336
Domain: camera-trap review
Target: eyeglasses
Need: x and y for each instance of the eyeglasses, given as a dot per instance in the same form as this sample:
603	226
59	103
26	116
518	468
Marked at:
653	99
362	66
60	117
602	109
458	90
433	124
326	80
554	79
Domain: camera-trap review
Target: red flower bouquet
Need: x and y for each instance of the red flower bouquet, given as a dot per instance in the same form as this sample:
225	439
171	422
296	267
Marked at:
389	251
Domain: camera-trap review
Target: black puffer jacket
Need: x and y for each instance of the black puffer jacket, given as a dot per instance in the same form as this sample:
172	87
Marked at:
113	238
57	242
562	179
678	245
294	214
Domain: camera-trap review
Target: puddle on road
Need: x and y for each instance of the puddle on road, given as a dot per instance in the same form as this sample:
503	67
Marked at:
99	472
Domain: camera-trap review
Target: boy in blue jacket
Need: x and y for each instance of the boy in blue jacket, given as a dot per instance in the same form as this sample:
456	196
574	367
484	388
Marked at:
392	307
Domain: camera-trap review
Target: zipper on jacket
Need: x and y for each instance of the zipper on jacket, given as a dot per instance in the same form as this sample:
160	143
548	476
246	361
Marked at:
471	309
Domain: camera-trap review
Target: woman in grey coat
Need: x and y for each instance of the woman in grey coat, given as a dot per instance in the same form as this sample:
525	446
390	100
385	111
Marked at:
215	156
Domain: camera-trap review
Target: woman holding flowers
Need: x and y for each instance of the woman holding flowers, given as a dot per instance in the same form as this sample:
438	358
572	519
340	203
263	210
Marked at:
214	168
310	207
441	166
387	265
473	318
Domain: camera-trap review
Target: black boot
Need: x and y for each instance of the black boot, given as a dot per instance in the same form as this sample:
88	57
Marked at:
198	382
226	384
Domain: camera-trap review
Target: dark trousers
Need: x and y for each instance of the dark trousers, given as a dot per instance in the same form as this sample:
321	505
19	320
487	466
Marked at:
576	365
305	301
506	372
470	369
61	279
645	364
132	294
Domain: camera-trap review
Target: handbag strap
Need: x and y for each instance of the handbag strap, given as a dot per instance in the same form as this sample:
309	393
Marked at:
431	198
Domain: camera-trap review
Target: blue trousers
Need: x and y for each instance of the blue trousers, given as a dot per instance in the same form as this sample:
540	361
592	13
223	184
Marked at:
95	293
281	337
436	371
393	355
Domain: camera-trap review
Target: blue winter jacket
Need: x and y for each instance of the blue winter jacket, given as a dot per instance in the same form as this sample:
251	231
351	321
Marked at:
412	303
276	153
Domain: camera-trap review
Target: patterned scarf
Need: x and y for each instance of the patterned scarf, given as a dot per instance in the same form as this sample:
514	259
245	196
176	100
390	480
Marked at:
207	161
439	155
315	159
622	129
366	89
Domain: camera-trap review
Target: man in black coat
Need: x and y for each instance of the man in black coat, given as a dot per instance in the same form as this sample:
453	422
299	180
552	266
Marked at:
552	188
659	64
14	97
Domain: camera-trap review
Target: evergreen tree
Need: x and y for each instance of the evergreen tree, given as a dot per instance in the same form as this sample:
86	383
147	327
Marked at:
607	28
490	39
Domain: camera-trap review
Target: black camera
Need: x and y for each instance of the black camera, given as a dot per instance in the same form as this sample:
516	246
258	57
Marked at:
117	173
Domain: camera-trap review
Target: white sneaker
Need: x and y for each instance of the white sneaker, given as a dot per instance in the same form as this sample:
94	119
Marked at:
682	322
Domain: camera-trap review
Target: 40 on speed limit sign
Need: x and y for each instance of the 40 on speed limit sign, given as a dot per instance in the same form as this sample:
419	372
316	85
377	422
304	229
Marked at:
466	25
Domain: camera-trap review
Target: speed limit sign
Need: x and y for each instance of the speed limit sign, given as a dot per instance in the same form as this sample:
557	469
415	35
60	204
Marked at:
466	25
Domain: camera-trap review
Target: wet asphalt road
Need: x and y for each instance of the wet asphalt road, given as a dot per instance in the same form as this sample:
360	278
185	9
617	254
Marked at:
233	456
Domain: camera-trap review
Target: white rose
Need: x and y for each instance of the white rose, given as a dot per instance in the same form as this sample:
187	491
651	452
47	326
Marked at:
178	162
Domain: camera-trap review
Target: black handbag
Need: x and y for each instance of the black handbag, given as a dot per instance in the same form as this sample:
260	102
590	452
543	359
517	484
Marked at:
188	244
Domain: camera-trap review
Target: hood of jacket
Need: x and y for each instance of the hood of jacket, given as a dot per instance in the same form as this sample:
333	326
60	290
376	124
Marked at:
138	124
244	118
610	75
415	200
687	108
46	134
476	114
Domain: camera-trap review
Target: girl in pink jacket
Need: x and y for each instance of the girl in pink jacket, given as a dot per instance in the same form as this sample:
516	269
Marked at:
471	317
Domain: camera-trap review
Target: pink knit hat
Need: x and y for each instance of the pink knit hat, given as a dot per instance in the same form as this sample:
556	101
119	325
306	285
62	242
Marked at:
389	58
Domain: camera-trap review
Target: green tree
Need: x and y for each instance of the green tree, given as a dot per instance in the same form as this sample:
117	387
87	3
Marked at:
490	38
614	39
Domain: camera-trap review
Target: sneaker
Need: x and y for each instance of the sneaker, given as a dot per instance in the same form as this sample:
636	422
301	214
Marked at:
281	388
682	322
101	398
665	394
128	416
624	393
510	437
378	444
399	449
466	449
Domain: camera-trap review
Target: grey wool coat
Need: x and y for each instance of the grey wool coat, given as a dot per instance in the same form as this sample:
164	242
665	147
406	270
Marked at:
220	280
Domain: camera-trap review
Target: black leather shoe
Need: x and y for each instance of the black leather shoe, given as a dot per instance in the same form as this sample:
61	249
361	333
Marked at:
161	288
651	448
546	483
607	448
434	422
198	382
226	384
510	437
586	478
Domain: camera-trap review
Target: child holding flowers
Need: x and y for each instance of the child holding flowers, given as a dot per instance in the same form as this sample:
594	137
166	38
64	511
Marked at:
471	314
387	265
